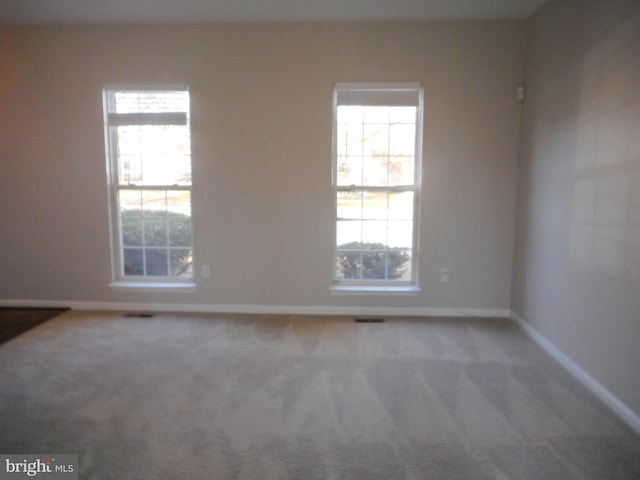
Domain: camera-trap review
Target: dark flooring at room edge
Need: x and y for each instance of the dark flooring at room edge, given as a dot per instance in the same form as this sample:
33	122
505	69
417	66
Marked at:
15	321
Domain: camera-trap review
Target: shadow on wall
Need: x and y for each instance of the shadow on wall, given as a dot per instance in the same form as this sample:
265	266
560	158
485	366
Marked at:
605	209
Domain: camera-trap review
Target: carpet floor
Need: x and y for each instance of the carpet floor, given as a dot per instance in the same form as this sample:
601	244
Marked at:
202	396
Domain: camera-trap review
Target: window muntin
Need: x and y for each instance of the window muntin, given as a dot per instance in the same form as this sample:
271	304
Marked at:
148	144
377	132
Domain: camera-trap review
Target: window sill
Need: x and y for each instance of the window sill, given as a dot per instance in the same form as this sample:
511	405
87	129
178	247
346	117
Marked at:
374	290
124	286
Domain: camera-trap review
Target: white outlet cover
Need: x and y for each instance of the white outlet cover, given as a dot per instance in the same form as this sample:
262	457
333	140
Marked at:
444	275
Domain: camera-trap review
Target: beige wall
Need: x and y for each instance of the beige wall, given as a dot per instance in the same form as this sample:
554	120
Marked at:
261	127
577	264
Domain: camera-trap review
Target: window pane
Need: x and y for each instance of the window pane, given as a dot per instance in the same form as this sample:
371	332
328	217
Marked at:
349	114
129	200
400	234
374	233
375	140
375	115
130	168
154	203
349	205
374	265
376	145
179	202
155	260
131	229
374	205
399	265
165	220
376	171
401	170
133	261
402	139
400	206
179	232
348	264
148	101
155	232
349	139
349	171
154	154
402	115
181	262
348	234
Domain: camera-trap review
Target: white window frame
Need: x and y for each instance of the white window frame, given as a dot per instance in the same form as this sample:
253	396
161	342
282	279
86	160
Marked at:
374	94
120	281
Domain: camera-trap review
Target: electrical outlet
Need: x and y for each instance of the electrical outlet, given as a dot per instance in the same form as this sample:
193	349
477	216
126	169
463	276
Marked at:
206	271
444	275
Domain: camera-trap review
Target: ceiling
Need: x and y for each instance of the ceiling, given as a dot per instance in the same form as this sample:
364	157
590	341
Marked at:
81	12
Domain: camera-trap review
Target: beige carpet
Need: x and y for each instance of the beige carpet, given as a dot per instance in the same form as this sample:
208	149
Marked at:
272	397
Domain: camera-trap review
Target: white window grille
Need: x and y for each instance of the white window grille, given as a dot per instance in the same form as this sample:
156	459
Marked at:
376	181
149	164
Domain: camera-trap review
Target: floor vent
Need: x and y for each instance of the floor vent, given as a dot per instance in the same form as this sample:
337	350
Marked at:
369	320
138	315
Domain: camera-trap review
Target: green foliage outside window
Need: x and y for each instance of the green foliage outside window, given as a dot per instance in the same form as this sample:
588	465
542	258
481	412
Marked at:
371	261
156	231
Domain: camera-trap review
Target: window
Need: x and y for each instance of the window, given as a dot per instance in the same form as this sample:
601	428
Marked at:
149	160
376	182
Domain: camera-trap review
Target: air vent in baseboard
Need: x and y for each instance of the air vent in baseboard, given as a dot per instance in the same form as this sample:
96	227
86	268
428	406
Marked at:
138	315
369	320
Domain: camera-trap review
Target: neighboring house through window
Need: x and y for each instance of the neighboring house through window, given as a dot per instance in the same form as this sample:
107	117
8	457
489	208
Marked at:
149	169
376	182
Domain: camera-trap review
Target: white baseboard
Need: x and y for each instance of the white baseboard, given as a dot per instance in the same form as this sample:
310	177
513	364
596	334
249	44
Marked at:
616	405
263	309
